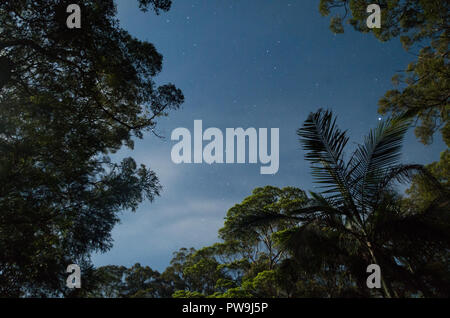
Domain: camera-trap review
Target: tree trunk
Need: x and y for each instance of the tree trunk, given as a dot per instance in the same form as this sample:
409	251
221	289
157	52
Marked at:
384	285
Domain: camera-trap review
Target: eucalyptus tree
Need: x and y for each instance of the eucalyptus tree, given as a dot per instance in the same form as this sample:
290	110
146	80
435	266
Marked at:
256	243
68	99
422	90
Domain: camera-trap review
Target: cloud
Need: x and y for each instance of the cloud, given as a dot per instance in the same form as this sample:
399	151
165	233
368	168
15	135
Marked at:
154	232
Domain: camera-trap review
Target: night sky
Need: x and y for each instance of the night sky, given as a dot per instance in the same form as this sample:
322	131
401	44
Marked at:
252	63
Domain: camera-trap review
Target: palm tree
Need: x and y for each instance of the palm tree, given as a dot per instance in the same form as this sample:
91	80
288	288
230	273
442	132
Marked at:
358	219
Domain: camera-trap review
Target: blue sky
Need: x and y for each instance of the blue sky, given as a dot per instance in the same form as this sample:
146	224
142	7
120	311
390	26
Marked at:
253	63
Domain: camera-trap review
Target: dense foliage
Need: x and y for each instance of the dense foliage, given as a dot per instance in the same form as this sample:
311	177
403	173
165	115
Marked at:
285	243
423	89
68	99
71	98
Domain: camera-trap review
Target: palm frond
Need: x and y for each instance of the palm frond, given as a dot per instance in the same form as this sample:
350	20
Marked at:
318	204
324	143
428	226
312	245
380	152
405	173
315	208
265	218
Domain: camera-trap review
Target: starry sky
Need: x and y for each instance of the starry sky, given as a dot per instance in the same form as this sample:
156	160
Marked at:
253	63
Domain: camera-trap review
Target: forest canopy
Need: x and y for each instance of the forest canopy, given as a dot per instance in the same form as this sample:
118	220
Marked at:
287	243
70	99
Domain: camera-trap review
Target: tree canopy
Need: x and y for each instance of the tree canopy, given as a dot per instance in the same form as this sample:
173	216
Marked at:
69	99
358	218
423	89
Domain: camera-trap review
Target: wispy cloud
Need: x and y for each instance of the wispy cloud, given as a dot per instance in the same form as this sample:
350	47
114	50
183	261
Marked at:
151	235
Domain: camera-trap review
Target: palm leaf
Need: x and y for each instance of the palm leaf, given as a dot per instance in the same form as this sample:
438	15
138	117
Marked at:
416	227
324	143
379	153
405	173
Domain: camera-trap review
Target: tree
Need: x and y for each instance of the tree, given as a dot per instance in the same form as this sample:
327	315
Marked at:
357	219
250	262
423	90
69	99
199	270
420	194
257	241
109	282
134	282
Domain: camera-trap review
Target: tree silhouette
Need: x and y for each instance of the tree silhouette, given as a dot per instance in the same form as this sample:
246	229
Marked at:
358	220
423	90
68	99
